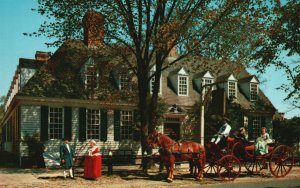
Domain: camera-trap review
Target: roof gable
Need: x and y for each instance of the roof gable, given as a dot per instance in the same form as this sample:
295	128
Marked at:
231	78
226	77
249	79
182	71
254	80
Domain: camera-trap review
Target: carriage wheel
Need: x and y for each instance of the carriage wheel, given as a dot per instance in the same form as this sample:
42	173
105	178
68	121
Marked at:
229	168
255	165
213	155
281	161
211	168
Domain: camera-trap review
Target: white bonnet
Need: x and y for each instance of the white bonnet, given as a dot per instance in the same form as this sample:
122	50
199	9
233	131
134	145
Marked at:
93	141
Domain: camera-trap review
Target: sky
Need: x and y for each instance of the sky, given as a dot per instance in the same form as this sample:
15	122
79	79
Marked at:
17	18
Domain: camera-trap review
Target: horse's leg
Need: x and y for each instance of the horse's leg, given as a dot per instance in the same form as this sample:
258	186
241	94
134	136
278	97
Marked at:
191	162
200	167
172	163
167	168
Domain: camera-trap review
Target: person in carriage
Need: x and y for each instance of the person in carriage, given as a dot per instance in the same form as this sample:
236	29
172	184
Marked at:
242	134
261	146
223	131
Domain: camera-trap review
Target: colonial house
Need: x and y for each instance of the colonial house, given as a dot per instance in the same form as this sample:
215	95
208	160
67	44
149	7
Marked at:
84	91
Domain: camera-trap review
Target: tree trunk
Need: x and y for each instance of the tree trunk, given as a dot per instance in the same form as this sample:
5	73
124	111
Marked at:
143	109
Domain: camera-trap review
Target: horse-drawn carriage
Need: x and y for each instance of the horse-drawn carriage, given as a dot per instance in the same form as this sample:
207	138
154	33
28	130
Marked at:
226	162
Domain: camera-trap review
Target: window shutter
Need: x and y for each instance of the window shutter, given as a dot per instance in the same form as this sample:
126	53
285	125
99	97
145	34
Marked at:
117	117
103	136
68	122
115	79
82	124
44	123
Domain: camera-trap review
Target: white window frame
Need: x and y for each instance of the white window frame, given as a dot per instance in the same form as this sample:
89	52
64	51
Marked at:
180	85
253	91
231	90
256	126
57	125
207	81
93	122
87	77
126	125
124	81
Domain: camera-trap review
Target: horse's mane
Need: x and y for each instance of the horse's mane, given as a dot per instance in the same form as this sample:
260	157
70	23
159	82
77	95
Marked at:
166	139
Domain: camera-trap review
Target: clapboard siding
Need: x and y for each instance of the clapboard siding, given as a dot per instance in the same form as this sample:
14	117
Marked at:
30	121
82	147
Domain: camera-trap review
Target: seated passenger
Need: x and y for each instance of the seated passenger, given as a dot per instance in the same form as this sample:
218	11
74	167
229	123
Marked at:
261	146
223	132
242	134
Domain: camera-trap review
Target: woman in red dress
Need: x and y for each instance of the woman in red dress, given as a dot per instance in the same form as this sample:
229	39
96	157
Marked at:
93	162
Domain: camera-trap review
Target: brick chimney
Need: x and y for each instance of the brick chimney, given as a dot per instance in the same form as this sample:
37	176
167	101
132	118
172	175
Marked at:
173	52
42	56
93	24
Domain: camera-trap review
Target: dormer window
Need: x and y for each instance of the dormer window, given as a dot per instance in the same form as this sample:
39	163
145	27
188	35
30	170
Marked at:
124	81
91	77
232	88
182	85
253	91
250	86
206	81
179	79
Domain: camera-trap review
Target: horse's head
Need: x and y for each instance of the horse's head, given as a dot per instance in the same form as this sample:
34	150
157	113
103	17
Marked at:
153	139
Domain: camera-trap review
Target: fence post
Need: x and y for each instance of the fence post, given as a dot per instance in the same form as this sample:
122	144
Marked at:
110	164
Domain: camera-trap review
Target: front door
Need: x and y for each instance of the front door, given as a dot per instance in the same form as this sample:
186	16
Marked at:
172	130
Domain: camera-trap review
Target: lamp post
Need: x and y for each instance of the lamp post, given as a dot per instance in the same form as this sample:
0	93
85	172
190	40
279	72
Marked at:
202	123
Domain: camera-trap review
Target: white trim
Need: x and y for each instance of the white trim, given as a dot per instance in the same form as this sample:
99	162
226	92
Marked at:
183	72
85	75
235	88
86	124
187	85
231	78
250	93
63	123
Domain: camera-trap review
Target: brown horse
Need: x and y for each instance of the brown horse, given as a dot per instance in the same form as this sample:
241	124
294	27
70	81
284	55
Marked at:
171	151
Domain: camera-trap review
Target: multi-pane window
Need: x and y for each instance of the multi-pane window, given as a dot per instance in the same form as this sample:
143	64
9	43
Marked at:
124	81
126	124
152	83
182	85
205	83
231	89
91	77
253	91
256	127
93	124
56	123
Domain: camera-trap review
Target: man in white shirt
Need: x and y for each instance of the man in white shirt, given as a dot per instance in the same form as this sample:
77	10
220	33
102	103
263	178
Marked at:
223	132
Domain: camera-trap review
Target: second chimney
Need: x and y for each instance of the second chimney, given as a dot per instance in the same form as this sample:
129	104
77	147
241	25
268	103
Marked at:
42	56
93	24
